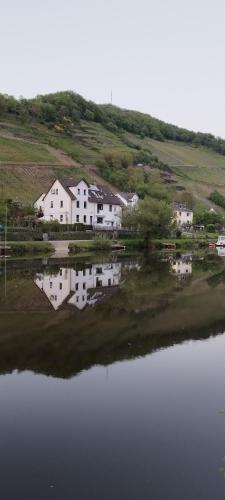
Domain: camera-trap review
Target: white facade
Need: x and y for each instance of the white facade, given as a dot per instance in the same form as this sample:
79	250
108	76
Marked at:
128	199
183	215
79	288
182	267
81	203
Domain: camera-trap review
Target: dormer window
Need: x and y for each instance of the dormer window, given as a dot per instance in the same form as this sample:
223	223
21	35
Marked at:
78	191
51	204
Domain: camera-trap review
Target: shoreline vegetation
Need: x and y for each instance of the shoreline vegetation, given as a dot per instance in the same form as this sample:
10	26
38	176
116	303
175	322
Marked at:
39	248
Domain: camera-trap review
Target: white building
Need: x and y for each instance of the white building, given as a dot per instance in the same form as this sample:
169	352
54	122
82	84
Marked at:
128	199
183	215
182	266
69	201
80	287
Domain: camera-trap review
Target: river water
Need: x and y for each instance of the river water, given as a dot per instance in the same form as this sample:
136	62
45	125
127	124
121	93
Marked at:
112	378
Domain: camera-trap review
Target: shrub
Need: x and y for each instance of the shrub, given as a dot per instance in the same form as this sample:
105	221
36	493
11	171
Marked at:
27	248
102	243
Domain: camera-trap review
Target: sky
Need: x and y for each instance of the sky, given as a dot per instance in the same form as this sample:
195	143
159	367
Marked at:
162	57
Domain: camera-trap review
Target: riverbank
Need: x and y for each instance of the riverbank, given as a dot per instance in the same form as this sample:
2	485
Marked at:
30	248
62	248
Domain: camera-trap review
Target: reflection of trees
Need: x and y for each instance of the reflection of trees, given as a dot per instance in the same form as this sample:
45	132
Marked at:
64	343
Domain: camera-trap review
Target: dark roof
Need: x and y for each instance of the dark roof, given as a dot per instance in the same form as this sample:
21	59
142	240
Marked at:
102	194
66	184
127	196
97	193
182	207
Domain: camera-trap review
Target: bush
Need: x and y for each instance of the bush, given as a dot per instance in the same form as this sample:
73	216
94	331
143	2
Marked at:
27	248
56	227
217	198
102	243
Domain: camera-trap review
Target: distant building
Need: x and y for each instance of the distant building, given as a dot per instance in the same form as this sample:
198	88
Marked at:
128	199
69	201
183	214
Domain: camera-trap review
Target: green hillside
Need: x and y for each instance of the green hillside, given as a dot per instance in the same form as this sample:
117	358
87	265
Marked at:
62	134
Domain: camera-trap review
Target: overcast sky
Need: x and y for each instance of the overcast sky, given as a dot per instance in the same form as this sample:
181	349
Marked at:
163	57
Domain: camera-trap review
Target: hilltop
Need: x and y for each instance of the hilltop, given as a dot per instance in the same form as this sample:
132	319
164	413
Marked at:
63	134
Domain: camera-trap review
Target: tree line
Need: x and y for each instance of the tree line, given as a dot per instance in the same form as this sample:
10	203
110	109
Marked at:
65	110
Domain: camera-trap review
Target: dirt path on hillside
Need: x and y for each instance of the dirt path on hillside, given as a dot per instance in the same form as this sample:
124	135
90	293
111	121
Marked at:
62	157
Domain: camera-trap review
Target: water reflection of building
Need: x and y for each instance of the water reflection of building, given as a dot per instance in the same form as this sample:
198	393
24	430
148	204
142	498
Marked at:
220	251
182	266
80	287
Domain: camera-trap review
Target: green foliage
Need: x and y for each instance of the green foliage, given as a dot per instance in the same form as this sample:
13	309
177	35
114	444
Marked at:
207	217
31	248
117	169
62	111
152	217
101	242
17	214
217	198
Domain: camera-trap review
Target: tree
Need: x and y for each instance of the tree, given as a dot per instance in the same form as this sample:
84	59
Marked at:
152	217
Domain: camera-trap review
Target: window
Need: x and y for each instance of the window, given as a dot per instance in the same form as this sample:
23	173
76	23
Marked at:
60	286
77	286
110	208
99	207
78	204
84	191
188	214
84	286
90	271
91	219
56	191
51	217
85	219
61	203
83	298
77	218
99	220
60	272
61	218
77	299
109	282
51	204
179	213
98	270
78	191
85	204
50	284
98	282
84	272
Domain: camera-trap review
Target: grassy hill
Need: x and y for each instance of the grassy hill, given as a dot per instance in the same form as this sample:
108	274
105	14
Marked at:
35	150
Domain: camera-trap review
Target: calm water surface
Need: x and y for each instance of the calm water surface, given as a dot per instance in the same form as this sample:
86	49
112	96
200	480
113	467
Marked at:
112	378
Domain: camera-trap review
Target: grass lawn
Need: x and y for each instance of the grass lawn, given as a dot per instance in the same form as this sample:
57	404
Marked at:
19	151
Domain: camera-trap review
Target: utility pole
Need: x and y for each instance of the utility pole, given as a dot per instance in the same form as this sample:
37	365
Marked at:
6	223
